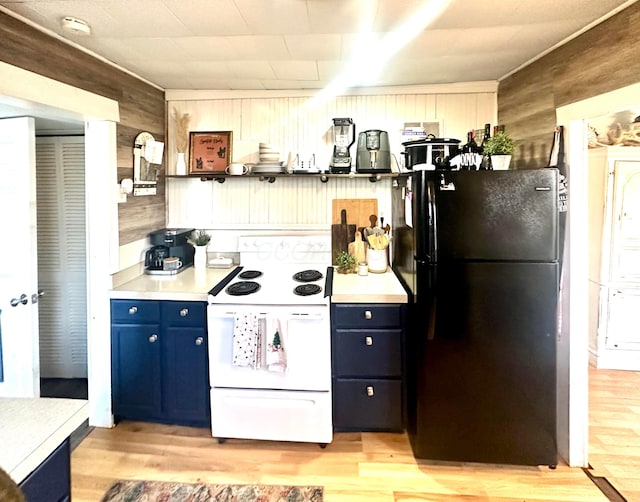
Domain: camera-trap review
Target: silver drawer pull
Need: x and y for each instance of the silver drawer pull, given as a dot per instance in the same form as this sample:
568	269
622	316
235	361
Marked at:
153	338
184	312
133	310
370	390
199	340
368	340
368	314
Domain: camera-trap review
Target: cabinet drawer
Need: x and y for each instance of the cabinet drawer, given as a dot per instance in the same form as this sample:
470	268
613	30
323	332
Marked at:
135	311
367	353
184	313
367	404
367	316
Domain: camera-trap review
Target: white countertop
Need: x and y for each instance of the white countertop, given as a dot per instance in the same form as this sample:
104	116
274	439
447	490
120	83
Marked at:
32	428
194	284
371	288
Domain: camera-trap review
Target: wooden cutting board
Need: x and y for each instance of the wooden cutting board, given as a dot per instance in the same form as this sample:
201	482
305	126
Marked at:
342	234
358	211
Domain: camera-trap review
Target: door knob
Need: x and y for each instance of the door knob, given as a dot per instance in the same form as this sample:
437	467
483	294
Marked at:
36	296
17	301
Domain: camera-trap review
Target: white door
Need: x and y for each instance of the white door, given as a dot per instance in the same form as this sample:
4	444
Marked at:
18	260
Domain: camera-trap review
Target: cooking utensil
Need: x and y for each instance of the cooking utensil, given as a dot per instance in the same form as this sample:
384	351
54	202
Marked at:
378	241
341	234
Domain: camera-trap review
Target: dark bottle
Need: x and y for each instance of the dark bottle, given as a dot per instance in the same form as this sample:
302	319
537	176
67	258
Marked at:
486	158
469	151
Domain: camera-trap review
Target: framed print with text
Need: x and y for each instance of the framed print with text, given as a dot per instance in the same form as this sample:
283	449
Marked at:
209	152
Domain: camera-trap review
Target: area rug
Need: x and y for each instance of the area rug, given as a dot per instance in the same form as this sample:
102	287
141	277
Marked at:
162	491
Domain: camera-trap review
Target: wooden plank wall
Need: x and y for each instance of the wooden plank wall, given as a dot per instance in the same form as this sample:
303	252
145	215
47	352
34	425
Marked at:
603	59
142	108
297	124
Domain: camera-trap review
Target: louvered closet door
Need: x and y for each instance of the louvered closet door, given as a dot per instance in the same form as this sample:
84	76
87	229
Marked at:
62	256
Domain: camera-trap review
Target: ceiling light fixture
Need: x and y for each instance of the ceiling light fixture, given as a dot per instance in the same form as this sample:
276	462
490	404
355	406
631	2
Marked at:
75	26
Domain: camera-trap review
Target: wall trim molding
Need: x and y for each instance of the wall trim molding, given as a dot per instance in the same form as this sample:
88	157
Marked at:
22	88
488	86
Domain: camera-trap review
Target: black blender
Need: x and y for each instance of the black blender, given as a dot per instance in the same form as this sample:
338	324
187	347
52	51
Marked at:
344	135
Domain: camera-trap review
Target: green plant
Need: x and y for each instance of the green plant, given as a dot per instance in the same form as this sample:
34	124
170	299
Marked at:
345	262
201	238
500	144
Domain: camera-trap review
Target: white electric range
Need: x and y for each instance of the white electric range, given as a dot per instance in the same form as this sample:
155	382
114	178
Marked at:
269	342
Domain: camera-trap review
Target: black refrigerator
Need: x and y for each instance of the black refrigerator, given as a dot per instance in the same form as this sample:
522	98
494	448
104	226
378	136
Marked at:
478	254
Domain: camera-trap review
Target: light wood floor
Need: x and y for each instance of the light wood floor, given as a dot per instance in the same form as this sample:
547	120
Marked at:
614	429
368	466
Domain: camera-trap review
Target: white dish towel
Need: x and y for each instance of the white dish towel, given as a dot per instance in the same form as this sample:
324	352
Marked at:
276	354
247	341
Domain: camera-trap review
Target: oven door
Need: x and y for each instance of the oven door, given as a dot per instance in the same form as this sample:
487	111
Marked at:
306	334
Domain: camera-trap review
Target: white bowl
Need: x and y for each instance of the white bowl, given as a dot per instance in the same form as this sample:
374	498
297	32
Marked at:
269	157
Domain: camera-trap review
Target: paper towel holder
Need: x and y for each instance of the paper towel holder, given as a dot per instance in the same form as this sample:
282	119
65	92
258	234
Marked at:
147	158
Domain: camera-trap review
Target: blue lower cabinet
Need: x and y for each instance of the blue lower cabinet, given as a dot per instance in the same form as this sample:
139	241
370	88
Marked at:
160	361
51	481
367	363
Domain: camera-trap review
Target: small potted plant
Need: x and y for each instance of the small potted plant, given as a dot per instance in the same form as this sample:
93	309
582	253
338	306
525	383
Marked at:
200	239
500	148
345	263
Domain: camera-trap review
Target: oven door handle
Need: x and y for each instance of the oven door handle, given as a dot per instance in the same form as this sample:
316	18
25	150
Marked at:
263	315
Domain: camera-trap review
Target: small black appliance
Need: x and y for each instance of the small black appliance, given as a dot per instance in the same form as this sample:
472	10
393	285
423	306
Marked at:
430	153
165	243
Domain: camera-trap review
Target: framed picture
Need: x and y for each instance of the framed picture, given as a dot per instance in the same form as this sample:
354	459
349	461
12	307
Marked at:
210	152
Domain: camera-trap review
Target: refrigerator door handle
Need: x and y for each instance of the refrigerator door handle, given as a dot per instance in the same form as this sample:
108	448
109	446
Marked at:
432	219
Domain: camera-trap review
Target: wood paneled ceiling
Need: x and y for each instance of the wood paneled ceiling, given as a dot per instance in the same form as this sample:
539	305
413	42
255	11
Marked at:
314	44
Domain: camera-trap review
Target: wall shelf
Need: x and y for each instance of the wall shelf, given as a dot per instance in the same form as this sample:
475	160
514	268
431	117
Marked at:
271	177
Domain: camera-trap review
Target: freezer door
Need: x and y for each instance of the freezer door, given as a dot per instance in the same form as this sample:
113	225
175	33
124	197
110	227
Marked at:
496	215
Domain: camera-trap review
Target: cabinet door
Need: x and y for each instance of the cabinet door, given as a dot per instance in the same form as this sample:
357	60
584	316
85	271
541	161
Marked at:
51	480
186	375
135	352
625	238
622	331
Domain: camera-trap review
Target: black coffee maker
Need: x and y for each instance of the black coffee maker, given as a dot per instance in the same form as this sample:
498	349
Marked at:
166	243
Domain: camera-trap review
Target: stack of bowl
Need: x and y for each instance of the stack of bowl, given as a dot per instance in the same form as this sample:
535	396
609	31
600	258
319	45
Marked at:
269	153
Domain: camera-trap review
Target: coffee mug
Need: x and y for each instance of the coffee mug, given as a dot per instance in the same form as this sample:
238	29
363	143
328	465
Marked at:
236	169
171	263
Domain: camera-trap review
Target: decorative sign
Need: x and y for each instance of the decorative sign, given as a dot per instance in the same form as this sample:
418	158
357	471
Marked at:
147	160
209	152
